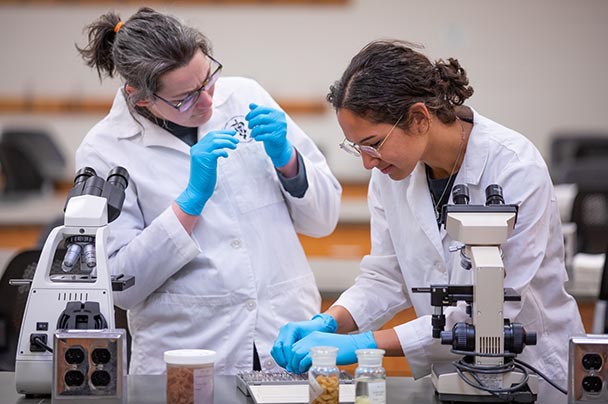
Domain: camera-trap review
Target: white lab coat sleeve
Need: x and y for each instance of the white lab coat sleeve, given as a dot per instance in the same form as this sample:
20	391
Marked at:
316	213
379	292
150	253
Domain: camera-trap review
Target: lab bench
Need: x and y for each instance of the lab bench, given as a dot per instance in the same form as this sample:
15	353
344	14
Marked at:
151	389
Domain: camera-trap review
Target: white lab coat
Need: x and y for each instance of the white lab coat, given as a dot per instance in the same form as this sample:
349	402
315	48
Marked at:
409	251
243	273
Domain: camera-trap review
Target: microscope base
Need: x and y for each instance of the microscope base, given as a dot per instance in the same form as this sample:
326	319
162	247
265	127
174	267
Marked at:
450	387
34	377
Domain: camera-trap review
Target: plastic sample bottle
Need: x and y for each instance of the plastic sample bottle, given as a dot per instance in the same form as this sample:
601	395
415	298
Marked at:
323	376
370	377
189	376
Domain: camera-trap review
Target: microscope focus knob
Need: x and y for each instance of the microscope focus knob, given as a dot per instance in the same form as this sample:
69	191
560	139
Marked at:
516	338
461	337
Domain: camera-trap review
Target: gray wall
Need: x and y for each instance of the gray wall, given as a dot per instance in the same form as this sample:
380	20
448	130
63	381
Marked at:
536	66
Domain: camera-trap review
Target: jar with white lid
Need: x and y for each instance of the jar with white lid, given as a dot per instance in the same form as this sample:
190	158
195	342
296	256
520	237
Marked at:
323	376
370	377
189	376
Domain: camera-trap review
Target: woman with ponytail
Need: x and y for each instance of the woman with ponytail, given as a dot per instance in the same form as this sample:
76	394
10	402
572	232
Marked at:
221	183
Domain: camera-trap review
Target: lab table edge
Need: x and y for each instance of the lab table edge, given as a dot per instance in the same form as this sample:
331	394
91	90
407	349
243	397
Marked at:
151	389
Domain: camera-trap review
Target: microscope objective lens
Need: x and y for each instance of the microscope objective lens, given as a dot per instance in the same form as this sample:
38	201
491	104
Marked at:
72	255
88	255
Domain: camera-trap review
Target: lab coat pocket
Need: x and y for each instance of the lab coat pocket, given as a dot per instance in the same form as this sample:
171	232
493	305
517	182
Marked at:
295	299
251	177
174	321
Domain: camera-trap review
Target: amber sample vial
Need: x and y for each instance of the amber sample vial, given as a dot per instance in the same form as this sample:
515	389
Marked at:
189	376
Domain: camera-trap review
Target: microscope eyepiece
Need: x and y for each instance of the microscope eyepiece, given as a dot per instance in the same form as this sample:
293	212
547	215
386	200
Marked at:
460	194
93	186
87	182
83	174
494	195
119	176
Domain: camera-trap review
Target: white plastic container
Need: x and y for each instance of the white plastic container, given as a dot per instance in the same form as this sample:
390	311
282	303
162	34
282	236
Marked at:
190	376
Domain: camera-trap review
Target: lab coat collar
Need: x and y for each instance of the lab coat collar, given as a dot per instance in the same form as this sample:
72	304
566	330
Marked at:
134	125
129	127
152	134
470	173
419	197
477	154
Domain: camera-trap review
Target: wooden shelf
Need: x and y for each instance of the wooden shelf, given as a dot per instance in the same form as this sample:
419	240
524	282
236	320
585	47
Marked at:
19	237
59	105
354	190
347	241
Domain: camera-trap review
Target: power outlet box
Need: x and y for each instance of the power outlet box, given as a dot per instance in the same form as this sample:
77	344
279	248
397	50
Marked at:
588	369
90	364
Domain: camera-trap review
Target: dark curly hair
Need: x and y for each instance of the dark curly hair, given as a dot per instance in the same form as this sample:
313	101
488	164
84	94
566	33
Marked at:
387	77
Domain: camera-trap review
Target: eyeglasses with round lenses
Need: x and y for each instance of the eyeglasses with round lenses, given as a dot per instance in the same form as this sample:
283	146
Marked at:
184	105
373	151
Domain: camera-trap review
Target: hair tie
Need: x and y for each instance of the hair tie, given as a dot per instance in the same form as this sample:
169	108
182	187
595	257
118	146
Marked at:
118	26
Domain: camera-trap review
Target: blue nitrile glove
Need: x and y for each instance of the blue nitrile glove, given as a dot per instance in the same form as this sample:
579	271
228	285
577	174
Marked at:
347	344
293	332
268	125
203	169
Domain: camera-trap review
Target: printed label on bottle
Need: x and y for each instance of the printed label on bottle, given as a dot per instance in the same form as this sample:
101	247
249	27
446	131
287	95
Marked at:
314	388
203	385
377	392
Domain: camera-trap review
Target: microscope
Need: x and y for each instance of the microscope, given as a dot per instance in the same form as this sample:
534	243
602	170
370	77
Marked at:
72	287
488	371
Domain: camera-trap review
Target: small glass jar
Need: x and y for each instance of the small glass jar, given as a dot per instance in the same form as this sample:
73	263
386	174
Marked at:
324	376
370	377
189	376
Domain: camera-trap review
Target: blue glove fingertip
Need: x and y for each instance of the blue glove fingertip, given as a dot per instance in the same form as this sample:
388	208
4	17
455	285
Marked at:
305	363
294	360
277	354
329	322
250	115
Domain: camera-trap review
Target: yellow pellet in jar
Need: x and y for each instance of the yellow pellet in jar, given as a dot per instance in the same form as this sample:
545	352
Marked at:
323	376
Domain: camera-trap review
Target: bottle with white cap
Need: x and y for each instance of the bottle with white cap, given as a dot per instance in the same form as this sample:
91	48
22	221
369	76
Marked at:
189	376
370	377
323	376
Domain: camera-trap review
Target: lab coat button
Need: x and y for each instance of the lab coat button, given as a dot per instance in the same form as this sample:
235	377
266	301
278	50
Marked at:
251	305
236	244
268	364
